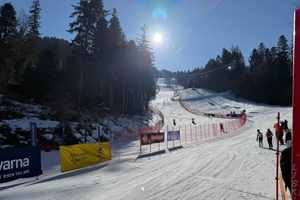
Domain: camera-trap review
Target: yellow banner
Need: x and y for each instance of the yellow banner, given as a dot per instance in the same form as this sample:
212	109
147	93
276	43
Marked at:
82	155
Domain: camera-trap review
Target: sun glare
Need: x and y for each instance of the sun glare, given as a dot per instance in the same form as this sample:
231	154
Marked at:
157	37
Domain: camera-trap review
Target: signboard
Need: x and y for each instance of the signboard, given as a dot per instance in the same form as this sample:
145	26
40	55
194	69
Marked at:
33	140
82	155
149	138
173	135
20	163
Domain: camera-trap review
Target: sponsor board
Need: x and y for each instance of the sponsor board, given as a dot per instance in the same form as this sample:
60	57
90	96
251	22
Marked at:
149	138
82	155
173	135
20	163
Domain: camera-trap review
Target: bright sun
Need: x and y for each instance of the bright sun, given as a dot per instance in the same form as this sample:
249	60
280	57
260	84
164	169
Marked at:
157	37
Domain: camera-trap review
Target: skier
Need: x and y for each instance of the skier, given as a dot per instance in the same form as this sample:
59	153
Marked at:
269	136
288	138
174	123
259	138
286	166
193	122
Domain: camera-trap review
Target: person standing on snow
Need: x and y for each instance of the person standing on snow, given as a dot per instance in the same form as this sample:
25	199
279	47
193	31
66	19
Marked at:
288	138
259	138
269	136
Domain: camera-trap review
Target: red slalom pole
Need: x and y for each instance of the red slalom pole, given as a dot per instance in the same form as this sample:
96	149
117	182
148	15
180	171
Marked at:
277	154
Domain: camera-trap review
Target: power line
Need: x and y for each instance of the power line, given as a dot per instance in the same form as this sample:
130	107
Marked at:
187	24
198	28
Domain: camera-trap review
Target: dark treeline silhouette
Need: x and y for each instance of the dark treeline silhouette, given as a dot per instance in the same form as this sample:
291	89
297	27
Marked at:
267	79
98	70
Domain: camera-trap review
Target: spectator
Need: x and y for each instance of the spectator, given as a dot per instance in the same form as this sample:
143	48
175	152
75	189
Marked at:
288	138
269	136
286	167
259	138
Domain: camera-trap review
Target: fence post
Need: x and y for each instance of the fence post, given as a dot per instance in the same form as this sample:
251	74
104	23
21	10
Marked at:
196	133
204	132
173	138
140	136
185	133
200	132
191	133
167	135
179	136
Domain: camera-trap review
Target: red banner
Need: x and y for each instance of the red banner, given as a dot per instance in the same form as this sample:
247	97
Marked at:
296	111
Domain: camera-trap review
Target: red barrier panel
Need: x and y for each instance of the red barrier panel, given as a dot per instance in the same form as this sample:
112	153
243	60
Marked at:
296	109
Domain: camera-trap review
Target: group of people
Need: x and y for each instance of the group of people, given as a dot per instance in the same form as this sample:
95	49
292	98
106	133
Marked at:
260	137
279	131
286	154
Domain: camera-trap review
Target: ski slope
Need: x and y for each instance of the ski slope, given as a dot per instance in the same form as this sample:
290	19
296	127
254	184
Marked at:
228	167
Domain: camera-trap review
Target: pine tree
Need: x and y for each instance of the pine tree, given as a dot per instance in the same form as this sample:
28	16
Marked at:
8	23
117	39
34	34
145	86
83	41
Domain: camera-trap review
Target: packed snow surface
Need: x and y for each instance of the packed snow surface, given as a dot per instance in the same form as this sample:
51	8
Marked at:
227	167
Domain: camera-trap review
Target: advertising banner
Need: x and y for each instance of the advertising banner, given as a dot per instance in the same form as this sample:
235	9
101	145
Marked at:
149	138
33	138
173	135
20	163
82	155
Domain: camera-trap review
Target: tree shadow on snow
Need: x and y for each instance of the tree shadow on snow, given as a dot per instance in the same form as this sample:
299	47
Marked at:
148	155
72	173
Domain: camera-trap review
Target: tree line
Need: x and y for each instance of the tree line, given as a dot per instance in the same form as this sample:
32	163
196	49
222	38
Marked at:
267	79
98	70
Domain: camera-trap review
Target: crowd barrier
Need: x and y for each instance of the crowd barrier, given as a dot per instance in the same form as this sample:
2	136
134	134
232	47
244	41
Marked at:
134	133
211	114
194	133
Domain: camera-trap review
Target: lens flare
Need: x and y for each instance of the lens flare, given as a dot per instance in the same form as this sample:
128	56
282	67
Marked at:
160	15
157	37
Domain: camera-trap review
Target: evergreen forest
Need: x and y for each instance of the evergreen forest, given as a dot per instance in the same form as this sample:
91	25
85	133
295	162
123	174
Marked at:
101	71
98	70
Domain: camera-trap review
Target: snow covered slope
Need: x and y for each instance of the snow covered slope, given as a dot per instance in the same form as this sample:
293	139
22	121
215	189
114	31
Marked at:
228	167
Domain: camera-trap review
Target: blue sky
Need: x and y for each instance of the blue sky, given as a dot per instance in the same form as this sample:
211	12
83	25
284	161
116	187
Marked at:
217	24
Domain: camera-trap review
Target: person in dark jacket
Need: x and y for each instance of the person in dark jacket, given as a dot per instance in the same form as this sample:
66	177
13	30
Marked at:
288	137
269	136
286	167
